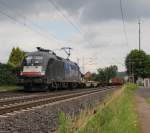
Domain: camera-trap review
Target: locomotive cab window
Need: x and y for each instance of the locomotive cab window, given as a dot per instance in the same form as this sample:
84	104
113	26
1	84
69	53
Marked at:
38	60
33	61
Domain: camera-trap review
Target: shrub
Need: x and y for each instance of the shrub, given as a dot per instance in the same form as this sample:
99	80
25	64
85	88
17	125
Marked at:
131	87
8	74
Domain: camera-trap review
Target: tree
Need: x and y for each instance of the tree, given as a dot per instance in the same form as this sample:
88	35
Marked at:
94	77
105	74
138	63
147	67
16	57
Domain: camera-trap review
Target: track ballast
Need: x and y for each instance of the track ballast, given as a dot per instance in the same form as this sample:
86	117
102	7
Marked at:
28	102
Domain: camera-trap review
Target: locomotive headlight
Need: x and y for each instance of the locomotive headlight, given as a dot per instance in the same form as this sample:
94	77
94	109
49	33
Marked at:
43	73
20	73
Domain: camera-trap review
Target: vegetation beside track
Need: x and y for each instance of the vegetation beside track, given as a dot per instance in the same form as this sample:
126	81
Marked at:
147	100
118	115
10	88
8	74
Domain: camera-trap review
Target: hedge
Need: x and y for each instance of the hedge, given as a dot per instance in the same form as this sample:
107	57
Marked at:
8	75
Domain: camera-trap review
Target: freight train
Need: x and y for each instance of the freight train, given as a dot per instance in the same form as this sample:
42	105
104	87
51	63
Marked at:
43	69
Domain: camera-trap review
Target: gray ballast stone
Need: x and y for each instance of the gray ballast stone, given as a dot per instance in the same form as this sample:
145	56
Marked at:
45	118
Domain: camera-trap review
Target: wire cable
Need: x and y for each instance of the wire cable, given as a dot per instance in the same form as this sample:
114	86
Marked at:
40	30
57	7
75	26
63	15
124	25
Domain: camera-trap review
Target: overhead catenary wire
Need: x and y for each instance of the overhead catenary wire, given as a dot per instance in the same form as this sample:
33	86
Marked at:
75	26
3	12
124	25
20	23
57	7
37	30
13	18
28	26
63	15
34	24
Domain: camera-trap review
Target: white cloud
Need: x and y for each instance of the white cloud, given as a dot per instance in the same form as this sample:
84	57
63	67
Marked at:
101	42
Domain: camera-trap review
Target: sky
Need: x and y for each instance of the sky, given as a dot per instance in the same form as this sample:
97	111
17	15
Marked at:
92	28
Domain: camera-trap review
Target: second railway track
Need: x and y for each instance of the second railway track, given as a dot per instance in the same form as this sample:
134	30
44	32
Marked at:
20	103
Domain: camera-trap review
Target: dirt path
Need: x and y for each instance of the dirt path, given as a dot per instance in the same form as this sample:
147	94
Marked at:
143	109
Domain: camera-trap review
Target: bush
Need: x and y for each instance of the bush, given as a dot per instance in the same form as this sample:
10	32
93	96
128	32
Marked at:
131	87
8	74
119	116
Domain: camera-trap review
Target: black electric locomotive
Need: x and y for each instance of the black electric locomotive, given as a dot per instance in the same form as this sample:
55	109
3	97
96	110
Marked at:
45	70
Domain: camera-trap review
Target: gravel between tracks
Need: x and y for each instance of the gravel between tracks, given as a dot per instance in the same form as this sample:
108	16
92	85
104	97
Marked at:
45	118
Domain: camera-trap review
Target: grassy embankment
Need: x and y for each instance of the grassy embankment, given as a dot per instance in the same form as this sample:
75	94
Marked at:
10	88
117	115
147	100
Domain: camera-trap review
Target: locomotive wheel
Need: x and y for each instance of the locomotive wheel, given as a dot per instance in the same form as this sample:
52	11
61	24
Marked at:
64	85
73	86
50	88
45	88
28	87
55	85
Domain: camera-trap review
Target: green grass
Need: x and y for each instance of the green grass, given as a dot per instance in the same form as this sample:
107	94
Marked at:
10	88
118	116
147	100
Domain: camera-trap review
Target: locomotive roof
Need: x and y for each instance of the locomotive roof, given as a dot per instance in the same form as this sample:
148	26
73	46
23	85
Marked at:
48	55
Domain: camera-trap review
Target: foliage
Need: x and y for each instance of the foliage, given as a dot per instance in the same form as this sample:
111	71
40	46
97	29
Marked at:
94	77
9	71
147	100
131	87
16	57
105	74
11	88
65	126
121	74
117	116
7	74
138	63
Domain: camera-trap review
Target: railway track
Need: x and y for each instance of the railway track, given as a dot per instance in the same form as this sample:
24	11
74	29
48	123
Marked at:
19	99
17	95
10	105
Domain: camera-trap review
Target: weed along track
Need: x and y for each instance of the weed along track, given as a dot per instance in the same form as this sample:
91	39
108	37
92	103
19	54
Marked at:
26	102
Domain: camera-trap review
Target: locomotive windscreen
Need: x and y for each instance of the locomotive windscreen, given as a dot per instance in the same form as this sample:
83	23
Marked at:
33	61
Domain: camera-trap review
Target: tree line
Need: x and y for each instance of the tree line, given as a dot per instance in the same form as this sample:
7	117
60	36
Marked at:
137	64
104	75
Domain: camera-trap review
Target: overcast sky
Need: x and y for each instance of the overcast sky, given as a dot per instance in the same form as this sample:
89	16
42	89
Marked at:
93	28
